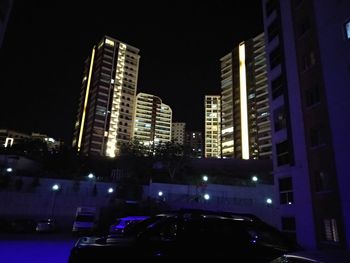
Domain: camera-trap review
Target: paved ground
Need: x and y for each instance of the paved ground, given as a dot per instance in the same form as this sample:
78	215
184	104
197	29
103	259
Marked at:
35	248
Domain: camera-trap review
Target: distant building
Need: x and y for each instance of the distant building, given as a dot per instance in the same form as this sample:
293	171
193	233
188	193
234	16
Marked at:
53	145
11	137
212	136
178	132
8	138
194	141
107	98
308	49
246	130
5	10
152	120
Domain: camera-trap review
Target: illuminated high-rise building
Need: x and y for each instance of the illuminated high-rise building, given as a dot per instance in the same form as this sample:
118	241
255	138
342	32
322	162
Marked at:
178	134
107	98
246	130
212	135
308	47
152	120
194	142
5	10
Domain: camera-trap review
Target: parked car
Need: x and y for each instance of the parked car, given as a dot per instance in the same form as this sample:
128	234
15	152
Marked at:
183	235
121	223
46	226
318	256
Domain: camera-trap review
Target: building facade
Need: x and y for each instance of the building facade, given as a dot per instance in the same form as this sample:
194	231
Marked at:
308	70
107	99
246	128
178	132
194	141
153	120
212	136
11	137
5	10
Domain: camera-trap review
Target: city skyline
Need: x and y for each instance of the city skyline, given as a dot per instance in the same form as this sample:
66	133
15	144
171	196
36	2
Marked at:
177	57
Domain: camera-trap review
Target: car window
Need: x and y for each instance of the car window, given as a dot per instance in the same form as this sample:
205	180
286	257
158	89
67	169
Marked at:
216	231
267	235
141	225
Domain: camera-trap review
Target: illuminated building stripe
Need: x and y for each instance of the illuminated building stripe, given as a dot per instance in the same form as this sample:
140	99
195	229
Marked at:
86	100
243	99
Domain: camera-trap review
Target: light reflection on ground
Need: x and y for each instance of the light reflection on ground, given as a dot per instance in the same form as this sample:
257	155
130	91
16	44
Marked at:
36	248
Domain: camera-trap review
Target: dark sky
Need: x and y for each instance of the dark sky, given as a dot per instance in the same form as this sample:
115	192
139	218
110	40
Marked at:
41	61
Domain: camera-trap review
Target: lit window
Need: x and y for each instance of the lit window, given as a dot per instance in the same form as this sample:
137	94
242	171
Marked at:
331	230
347	30
109	42
286	190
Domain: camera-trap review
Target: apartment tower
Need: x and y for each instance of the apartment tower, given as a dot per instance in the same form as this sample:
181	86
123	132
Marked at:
212	136
178	132
308	47
194	141
246	130
152	120
107	98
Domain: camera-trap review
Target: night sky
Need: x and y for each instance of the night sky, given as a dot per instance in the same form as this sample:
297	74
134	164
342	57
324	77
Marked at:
42	57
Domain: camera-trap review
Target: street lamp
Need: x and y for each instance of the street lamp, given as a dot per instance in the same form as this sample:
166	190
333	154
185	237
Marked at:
55	189
110	190
269	201
254	178
9	170
205	178
160	193
91	176
206	196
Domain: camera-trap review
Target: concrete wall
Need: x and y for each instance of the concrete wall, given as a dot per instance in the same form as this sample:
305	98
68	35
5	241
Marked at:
42	202
240	199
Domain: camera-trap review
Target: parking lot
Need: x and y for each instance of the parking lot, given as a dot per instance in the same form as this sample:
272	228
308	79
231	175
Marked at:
38	248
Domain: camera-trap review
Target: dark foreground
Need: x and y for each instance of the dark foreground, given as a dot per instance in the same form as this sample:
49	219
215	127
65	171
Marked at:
35	247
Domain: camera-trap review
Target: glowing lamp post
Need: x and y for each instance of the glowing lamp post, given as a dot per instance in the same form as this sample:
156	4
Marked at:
55	189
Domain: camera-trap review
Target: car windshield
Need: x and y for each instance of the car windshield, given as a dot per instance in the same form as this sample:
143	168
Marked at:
138	226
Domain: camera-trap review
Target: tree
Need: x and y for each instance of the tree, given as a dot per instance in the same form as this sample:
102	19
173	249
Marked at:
172	157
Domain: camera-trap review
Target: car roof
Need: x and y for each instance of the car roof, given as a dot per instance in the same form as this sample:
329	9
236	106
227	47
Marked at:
325	256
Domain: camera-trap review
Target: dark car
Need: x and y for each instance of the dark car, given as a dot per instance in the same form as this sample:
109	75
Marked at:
315	256
46	226
189	234
123	222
